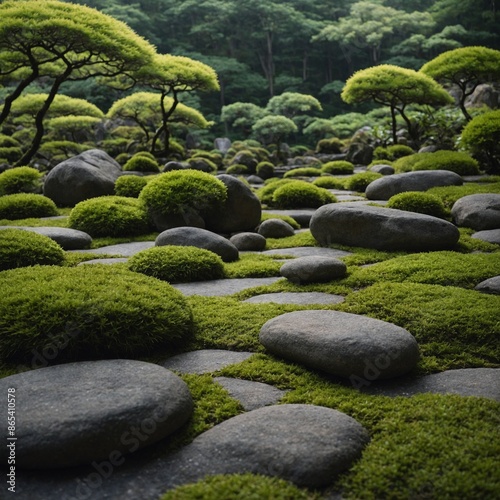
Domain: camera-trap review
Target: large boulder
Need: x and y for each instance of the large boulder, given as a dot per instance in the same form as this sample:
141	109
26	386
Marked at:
240	212
88	175
421	180
381	228
200	238
478	211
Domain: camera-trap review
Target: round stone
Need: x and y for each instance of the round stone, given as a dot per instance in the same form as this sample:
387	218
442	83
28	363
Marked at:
313	270
276	228
252	242
478	211
69	239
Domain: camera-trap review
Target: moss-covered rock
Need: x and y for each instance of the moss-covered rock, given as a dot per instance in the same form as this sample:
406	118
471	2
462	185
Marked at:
338	167
454	161
26	205
141	162
303	172
359	182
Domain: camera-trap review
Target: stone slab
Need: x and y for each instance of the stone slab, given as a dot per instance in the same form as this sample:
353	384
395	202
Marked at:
309	252
123	249
303	298
204	361
219	288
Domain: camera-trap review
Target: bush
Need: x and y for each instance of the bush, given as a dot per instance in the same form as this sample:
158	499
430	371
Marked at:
141	163
146	154
415	201
265	170
454	161
237	169
328	182
359	182
330	146
20	180
178	264
6	141
266	193
11	154
392	152
215	158
109	216
174	192
26	205
92	311
20	248
129	185
299	194
303	172
339	167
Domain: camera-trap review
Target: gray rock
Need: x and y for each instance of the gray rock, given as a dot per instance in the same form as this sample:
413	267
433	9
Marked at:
381	228
342	344
123	249
382	169
200	238
174	165
360	152
223	144
313	270
255	179
76	413
69	239
276	228
491	285
478	211
296	298
90	174
422	180
301	216
240	212
219	288
484	94
252	242
204	361
188	217
308	252
490	236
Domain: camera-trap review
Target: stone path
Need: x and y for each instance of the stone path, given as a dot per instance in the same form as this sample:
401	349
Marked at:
304	298
204	361
218	288
308	252
123	249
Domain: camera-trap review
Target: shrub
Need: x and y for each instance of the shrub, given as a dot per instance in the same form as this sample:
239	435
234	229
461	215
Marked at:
6	141
237	169
329	146
141	163
11	154
265	170
202	164
339	167
19	180
26	205
454	161
415	201
215	158
328	182
266	193
299	194
178	264
392	152
303	172
359	182
146	154
172	192
20	248
129	185
92	311
109	216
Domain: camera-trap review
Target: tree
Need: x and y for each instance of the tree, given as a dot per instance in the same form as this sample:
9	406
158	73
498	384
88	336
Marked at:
63	41
242	116
465	67
291	104
394	87
274	128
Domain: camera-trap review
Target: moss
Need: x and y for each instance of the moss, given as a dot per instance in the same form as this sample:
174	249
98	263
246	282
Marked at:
26	205
359	182
328	182
74	313
415	201
237	169
20	248
177	264
129	185
253	266
300	194
265	170
10	154
202	164
338	167
303	239
450	194
391	153
141	163
303	172
454	161
266	193
329	146
286	218
35	222
109	216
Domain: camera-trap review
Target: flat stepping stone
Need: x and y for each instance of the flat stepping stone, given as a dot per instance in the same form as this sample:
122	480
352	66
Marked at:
204	361
313	269
342	344
308	252
480	382
218	288
117	260
491	285
69	239
76	413
490	236
251	395
123	249
296	298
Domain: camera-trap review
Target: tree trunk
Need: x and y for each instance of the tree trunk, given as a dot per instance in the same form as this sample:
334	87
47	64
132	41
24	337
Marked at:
165	116
394	130
7	105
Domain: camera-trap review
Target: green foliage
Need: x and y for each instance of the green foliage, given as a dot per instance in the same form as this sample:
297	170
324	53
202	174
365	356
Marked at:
274	128
253	265
173	192
450	194
286	218
265	170
109	216
300	194
75	307
178	264
303	172
291	104
392	152
338	167
19	248
359	182
415	201
329	182
10	154
6	141
242	115
129	185
26	205
329	146
454	161
237	169
20	180
141	163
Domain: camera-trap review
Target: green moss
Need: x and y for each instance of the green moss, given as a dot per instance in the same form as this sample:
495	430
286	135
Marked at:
26	205
253	266
303	172
359	182
454	161
35	222
177	264
301	194
107	241
329	146
141	163
338	167
129	185
266	193
286	218
416	201
237	169
20	180
391	153
202	164
467	244
265	169
304	239
329	182
20	248
450	194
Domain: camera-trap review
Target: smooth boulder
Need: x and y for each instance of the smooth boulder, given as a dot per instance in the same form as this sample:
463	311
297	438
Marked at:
313	270
275	228
491	285
490	236
477	211
69	239
421	180
356	347
250	242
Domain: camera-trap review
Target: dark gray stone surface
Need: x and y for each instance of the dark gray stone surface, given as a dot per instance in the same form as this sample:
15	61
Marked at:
381	228
308	252
248	242
123	249
382	169
313	269
491	236
342	344
76	413
296	298
204	361
491	285
218	288
275	228
69	239
478	211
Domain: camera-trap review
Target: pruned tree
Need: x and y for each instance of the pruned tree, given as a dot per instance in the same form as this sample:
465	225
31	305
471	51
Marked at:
242	116
274	128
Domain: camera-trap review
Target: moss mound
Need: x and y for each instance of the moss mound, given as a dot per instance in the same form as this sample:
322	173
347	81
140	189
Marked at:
265	170
303	172
19	180
25	206
338	167
141	162
422	203
129	185
359	182
19	248
85	312
392	153
329	182
299	194
454	161
178	264
109	216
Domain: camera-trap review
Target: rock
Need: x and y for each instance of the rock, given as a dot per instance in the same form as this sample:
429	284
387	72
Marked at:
276	228
189	217
116	260
205	360
305	298
255	179
490	236
491	285
478	211
69	239
200	238
308	252
301	216
123	249
252	242
484	94
174	165
360	153
219	288
77	413
240	212
223	144
313	270
421	180
382	169
381	228
347	345
88	175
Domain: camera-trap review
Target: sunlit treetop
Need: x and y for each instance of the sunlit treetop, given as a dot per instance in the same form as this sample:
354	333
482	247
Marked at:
290	104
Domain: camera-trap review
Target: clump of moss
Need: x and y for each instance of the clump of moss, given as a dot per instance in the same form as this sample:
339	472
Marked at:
237	169
303	172
129	185
450	194
265	170
202	164
454	161
20	180
266	193
26	205
359	182
329	146
391	153
141	163
338	167
329	182
416	201
299	194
